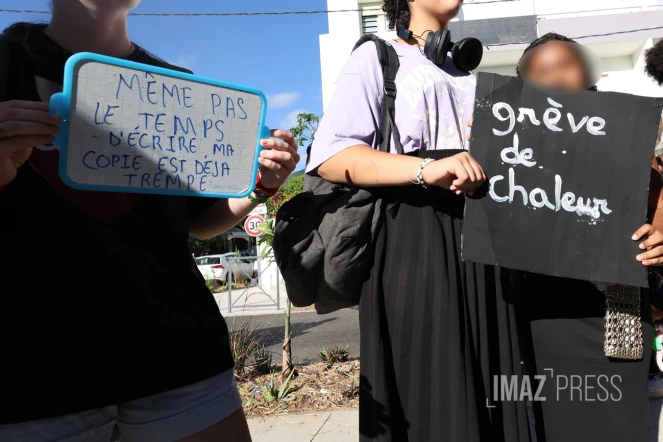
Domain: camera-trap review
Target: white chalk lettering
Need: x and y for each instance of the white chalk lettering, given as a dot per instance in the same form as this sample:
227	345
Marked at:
551	123
603	204
491	191
544	199
517	157
504	190
551	119
497	107
595	126
513	187
554	103
572	122
592	207
586	209
567	201
558	193
523	111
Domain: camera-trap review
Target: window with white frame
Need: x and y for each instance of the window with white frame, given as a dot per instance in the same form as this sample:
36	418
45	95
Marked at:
369	24
373	19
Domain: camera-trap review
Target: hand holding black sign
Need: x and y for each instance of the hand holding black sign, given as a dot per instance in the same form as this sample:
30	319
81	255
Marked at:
567	184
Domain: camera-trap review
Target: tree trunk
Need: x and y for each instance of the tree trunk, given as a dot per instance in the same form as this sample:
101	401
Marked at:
287	352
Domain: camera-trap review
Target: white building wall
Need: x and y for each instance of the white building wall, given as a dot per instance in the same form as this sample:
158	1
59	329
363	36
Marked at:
622	61
626	74
475	10
336	46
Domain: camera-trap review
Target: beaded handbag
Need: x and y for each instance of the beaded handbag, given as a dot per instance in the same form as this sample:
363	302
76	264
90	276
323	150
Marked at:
623	331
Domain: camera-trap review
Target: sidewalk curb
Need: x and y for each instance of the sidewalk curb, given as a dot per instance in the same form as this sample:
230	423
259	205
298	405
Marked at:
318	426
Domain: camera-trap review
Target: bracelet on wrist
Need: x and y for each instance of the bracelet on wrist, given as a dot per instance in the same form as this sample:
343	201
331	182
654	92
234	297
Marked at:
420	174
261	190
257	199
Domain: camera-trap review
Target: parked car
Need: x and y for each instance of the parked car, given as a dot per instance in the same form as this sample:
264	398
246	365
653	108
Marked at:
218	266
249	255
205	264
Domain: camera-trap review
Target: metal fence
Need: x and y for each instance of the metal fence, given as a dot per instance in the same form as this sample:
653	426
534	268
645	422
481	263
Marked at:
255	278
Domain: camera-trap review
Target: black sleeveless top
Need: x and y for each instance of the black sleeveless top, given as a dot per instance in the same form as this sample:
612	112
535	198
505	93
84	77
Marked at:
101	299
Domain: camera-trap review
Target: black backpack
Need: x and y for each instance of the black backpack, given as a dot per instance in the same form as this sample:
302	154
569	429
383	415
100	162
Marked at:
324	237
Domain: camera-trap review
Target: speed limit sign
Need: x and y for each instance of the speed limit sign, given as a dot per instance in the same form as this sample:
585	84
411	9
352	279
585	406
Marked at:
252	223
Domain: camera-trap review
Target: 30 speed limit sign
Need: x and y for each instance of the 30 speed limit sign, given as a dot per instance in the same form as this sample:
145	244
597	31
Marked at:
252	223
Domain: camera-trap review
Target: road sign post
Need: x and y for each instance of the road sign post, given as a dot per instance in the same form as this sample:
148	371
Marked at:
261	209
252	224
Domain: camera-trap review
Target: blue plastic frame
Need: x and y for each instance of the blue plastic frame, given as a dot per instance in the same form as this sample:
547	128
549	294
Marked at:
60	105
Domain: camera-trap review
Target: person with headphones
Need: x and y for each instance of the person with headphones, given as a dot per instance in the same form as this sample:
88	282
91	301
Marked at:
434	329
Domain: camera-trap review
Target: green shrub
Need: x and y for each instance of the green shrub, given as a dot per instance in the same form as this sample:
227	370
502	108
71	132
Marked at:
334	355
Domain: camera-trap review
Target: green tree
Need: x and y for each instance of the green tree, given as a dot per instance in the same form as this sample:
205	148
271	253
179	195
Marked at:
294	186
304	133
267	229
197	245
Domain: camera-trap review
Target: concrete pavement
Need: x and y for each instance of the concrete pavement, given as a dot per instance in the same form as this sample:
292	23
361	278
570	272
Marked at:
330	426
343	426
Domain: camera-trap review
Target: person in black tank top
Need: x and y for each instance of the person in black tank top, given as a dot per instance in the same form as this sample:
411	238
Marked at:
118	311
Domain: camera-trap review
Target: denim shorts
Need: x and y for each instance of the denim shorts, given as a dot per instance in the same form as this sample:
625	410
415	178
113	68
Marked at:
164	417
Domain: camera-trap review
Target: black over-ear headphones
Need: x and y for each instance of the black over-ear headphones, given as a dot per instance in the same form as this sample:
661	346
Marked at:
466	54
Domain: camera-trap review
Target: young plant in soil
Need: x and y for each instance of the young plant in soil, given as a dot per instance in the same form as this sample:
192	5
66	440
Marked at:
334	355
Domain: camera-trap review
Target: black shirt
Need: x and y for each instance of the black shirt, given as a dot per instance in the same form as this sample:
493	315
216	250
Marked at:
101	300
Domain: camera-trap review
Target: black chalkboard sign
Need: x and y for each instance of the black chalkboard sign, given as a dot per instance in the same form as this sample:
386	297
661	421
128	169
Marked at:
568	179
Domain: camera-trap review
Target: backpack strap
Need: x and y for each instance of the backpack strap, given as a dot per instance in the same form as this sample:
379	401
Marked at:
4	67
389	61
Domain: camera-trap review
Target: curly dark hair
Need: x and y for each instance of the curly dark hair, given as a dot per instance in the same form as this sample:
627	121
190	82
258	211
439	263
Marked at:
398	13
654	62
551	36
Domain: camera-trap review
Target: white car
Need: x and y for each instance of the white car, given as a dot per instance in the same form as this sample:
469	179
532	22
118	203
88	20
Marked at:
205	264
218	266
242	266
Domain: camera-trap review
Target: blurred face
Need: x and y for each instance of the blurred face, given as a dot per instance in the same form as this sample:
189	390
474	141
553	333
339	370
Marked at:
555	64
442	10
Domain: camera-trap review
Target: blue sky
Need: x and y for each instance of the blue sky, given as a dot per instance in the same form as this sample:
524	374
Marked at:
279	55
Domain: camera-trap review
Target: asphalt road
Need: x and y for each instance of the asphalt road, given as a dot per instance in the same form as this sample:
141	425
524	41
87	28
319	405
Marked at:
310	333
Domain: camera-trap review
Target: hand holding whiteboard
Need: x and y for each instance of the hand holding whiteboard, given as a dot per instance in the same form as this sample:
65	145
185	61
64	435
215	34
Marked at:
131	127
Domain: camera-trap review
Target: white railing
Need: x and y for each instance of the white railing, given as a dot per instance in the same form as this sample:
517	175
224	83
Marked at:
255	280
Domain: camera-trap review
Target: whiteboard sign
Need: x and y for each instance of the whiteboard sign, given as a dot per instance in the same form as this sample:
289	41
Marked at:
130	127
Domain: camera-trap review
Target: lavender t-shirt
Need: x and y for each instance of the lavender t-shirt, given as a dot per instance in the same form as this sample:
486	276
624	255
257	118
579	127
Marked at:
433	105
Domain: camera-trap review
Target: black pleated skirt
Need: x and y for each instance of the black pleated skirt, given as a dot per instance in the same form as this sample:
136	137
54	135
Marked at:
434	330
588	396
